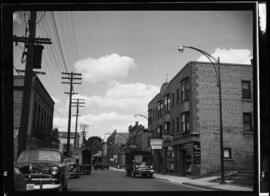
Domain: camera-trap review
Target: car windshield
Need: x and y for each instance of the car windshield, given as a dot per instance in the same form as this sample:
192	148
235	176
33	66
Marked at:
145	164
40	155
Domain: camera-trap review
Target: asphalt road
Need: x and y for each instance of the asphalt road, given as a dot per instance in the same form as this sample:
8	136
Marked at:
110	180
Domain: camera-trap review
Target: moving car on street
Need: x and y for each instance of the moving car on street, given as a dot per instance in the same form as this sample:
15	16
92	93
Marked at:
139	163
74	170
44	169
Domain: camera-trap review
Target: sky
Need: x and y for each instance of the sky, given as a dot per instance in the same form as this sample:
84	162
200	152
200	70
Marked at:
125	57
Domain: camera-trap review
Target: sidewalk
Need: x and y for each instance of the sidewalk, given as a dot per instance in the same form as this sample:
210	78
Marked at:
201	182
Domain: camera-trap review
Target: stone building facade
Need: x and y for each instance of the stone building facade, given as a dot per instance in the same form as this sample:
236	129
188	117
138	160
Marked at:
39	132
62	136
139	138
116	147
187	108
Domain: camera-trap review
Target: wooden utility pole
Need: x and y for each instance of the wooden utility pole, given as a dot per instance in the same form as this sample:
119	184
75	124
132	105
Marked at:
30	45
71	77
77	104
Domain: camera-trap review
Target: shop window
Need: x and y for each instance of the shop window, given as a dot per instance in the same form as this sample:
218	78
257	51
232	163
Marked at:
247	121
246	90
227	153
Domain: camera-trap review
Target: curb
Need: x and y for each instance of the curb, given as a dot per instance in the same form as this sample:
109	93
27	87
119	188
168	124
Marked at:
202	186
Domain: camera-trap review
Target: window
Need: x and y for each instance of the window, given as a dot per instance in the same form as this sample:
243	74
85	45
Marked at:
185	122
167	103
246	91
177	124
173	126
159	131
150	112
247	121
184	94
177	95
173	99
167	128
227	153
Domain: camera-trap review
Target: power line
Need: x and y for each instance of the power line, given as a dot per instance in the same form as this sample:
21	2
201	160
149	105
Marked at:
58	39
41	17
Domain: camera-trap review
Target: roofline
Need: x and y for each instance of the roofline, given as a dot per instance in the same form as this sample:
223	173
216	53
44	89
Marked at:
196	62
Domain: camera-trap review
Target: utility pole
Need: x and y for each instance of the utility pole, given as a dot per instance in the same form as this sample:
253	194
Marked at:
30	64
77	105
71	77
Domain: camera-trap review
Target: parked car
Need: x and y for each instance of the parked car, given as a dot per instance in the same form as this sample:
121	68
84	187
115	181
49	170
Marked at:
143	169
44	169
19	181
74	170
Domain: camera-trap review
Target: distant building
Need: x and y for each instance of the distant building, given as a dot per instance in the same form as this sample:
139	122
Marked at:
62	136
104	148
115	148
39	132
139	138
187	108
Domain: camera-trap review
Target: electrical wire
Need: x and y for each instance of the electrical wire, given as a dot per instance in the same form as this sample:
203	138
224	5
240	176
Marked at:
41	17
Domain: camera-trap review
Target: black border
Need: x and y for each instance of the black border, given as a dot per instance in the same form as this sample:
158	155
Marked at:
7	61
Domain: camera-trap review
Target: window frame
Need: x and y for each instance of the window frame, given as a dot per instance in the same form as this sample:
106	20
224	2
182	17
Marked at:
246	91
185	124
229	152
184	90
250	121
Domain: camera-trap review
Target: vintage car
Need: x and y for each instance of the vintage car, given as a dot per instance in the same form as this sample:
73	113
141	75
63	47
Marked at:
74	170
19	180
143	169
44	169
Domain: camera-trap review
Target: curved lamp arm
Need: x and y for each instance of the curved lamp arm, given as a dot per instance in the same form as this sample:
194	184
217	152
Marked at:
210	58
141	116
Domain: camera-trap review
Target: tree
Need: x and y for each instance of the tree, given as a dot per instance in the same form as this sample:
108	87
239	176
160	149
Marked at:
94	144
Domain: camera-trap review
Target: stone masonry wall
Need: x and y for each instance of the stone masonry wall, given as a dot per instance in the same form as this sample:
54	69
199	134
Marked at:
206	115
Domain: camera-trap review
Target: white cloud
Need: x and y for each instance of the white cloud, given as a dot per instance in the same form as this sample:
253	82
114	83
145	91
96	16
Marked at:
16	18
105	68
237	56
133	97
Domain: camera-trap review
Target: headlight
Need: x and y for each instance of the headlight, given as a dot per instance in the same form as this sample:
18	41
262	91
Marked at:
137	166
151	166
54	170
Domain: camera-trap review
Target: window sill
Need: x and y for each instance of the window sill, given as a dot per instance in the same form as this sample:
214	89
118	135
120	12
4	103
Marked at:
247	100
248	132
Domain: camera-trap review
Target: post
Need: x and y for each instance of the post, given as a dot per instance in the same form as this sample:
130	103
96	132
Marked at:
77	113
222	179
69	114
22	135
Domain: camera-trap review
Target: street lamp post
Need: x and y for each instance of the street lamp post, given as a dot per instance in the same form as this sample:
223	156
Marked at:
217	70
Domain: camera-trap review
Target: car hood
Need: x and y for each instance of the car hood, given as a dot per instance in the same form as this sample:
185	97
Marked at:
42	167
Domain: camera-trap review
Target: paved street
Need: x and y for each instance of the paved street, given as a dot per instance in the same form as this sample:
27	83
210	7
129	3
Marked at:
108	180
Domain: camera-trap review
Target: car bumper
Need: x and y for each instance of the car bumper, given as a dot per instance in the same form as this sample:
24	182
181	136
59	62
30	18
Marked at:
144	172
30	187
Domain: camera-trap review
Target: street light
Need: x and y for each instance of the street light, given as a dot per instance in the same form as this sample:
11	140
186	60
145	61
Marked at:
141	116
217	70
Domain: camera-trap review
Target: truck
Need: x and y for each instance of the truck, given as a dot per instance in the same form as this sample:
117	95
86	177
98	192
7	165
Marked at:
85	163
139	163
100	162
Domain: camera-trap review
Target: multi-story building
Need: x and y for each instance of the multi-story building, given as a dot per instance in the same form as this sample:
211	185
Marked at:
62	136
187	108
39	131
139	138
115	148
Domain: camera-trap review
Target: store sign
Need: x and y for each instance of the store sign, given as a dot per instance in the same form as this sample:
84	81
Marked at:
132	146
156	143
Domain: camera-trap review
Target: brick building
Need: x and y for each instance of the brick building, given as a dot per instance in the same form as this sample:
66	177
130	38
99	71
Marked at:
139	138
39	132
187	108
116	147
62	136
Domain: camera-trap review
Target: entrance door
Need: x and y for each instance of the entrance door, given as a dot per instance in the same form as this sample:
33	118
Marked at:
187	162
